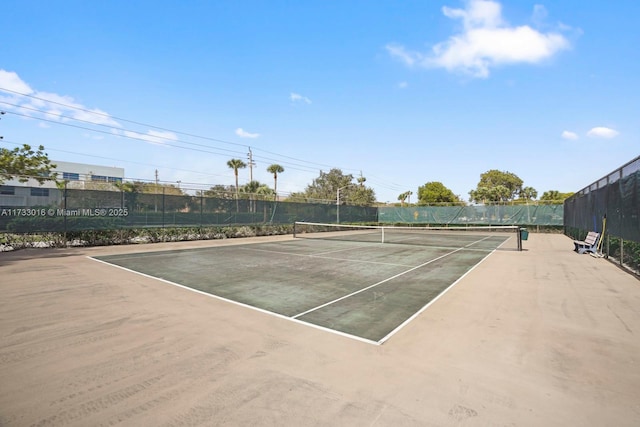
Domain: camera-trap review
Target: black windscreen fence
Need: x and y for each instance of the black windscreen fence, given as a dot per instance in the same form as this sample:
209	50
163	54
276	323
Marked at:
610	206
63	210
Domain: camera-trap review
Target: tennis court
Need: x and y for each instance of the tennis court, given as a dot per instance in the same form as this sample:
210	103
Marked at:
342	280
542	337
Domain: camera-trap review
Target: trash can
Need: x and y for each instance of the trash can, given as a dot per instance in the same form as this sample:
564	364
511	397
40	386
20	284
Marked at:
524	234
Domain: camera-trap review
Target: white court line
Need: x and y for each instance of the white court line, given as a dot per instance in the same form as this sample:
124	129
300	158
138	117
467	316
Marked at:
295	318
376	284
271	313
327	257
417	313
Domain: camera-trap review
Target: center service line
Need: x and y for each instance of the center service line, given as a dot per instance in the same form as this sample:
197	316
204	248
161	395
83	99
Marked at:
375	284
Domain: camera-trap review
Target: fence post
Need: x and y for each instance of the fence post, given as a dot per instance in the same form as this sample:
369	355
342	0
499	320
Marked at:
64	217
163	210
201	211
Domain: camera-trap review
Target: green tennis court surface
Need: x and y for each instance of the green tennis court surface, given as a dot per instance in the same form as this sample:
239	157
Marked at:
365	290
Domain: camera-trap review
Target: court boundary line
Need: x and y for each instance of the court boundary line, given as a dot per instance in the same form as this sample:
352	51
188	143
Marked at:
301	322
466	247
424	308
328	257
379	283
219	298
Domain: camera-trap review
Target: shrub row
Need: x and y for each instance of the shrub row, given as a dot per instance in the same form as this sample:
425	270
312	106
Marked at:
122	236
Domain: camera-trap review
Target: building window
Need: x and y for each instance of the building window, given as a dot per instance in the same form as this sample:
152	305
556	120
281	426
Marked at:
42	192
7	190
69	176
102	178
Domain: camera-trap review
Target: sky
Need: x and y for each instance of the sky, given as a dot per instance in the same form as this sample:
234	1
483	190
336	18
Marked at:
401	93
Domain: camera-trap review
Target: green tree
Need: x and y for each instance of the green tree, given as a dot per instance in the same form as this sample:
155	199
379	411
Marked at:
501	193
220	192
297	197
24	163
436	193
275	169
480	195
264	192
528	193
216	198
496	186
142	196
249	191
360	196
404	196
255	190
326	187
555	197
236	164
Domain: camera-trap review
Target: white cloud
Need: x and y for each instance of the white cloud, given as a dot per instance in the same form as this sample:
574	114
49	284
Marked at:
403	85
399	52
602	132
569	135
244	134
46	105
10	80
479	13
486	41
297	98
152	136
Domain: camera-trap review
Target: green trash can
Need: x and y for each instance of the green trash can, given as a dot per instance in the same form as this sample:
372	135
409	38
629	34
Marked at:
524	234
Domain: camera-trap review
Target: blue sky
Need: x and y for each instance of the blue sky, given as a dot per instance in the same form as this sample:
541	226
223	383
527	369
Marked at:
403	92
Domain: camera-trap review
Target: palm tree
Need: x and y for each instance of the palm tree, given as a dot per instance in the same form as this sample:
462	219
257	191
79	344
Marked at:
264	191
250	189
402	197
236	164
528	193
275	169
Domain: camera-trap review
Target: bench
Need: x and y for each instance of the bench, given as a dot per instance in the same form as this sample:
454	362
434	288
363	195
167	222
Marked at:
589	244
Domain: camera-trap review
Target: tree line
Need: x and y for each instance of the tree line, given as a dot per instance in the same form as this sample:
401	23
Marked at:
494	186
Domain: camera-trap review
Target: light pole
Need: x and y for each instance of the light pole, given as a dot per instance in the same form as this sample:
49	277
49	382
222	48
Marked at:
338	203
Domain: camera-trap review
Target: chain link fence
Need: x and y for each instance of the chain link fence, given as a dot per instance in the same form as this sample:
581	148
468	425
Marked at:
532	215
65	210
610	205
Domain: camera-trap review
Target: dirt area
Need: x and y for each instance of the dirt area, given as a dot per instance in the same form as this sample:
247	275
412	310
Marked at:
539	337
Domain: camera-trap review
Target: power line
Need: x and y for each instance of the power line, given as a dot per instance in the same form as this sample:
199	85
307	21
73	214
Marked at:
124	161
123	133
98	113
149	138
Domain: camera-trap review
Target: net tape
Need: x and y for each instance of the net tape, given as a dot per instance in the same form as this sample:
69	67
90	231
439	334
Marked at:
476	237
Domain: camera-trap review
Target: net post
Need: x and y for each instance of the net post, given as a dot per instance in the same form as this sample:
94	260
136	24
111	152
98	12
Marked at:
519	238
294	229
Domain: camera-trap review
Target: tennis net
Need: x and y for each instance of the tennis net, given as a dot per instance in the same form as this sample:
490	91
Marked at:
472	237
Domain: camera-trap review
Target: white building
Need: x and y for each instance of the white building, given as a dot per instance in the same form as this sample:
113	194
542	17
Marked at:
14	193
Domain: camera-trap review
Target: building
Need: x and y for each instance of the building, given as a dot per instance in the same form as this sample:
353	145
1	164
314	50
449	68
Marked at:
14	193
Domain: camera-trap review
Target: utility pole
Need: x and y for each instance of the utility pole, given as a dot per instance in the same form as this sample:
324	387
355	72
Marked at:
155	197
251	164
